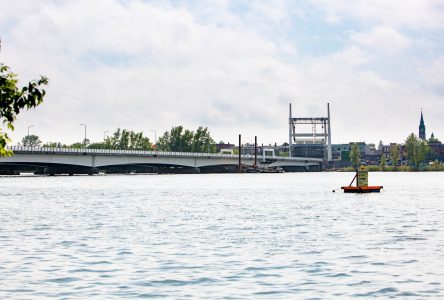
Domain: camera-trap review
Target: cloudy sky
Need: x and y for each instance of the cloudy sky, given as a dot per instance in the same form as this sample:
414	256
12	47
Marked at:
232	66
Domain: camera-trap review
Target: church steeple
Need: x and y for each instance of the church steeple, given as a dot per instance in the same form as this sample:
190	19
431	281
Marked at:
422	128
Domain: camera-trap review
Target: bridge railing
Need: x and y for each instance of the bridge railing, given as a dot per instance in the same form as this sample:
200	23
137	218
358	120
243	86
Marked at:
84	151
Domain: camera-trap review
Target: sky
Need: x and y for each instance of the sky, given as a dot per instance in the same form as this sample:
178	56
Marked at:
231	66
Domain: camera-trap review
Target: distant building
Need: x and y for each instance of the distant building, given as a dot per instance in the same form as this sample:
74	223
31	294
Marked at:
223	146
341	153
422	128
436	149
313	150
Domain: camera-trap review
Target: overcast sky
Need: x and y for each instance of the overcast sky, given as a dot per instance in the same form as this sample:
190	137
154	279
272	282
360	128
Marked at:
232	66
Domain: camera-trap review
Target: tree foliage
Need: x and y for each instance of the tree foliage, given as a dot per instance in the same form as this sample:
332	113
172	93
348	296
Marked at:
13	99
31	141
97	145
417	150
78	145
85	143
54	145
119	140
395	153
127	140
355	155
180	140
383	162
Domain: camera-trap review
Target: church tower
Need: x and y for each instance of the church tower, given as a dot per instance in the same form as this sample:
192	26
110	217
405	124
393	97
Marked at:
422	128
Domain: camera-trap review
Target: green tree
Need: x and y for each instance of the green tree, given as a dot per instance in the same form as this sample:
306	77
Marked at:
180	140
99	145
139	142
163	142
54	145
417	150
127	140
355	155
31	141
85	143
177	139
13	99
77	145
202	141
395	154
383	162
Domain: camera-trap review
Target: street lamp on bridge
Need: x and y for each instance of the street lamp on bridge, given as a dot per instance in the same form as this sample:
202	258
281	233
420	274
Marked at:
84	141
29	141
155	137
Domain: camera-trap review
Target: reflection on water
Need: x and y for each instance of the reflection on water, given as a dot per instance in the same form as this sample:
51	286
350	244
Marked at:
227	236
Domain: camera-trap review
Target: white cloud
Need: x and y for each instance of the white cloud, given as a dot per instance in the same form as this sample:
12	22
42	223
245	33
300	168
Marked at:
382	39
176	67
353	56
414	14
435	74
150	65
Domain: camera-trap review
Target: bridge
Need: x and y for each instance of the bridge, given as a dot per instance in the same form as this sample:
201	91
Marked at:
44	160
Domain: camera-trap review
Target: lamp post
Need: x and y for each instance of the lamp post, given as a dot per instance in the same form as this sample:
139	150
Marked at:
104	135
155	137
84	141
29	142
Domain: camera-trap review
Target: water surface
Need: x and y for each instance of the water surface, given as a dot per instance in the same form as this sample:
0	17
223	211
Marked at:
224	236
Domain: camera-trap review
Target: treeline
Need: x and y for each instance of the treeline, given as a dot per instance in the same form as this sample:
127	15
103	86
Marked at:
417	152
121	139
182	140
124	140
177	139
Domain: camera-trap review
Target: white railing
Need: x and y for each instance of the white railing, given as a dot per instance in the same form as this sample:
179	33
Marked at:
82	151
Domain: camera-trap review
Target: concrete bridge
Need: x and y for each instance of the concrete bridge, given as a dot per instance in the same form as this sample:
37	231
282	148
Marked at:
92	161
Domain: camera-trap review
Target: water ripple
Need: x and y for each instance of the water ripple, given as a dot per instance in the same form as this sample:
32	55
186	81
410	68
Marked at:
234	236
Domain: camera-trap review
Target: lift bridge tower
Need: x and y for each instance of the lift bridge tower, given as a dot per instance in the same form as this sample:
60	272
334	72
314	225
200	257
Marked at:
310	143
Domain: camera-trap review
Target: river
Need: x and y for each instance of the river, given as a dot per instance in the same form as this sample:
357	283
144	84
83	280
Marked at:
221	236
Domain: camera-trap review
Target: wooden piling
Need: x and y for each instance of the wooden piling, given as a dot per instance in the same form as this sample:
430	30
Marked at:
240	151
255	152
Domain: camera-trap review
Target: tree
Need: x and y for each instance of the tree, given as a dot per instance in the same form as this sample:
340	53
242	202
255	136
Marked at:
77	145
31	141
99	145
394	154
355	155
383	162
127	140
54	145
163	142
85	143
14	99
180	140
417	150
176	140
202	141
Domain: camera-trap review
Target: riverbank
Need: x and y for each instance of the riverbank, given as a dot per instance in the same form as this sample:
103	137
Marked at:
427	168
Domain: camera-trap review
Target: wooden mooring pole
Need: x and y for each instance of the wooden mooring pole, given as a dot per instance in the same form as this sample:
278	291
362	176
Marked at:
255	151
240	153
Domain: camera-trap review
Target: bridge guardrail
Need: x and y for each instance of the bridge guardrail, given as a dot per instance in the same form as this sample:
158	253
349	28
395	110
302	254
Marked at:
82	151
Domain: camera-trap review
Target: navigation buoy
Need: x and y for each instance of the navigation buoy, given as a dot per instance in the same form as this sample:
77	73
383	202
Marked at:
362	186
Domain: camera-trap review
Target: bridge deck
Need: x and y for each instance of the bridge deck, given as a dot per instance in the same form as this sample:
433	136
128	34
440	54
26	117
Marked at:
112	152
73	160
